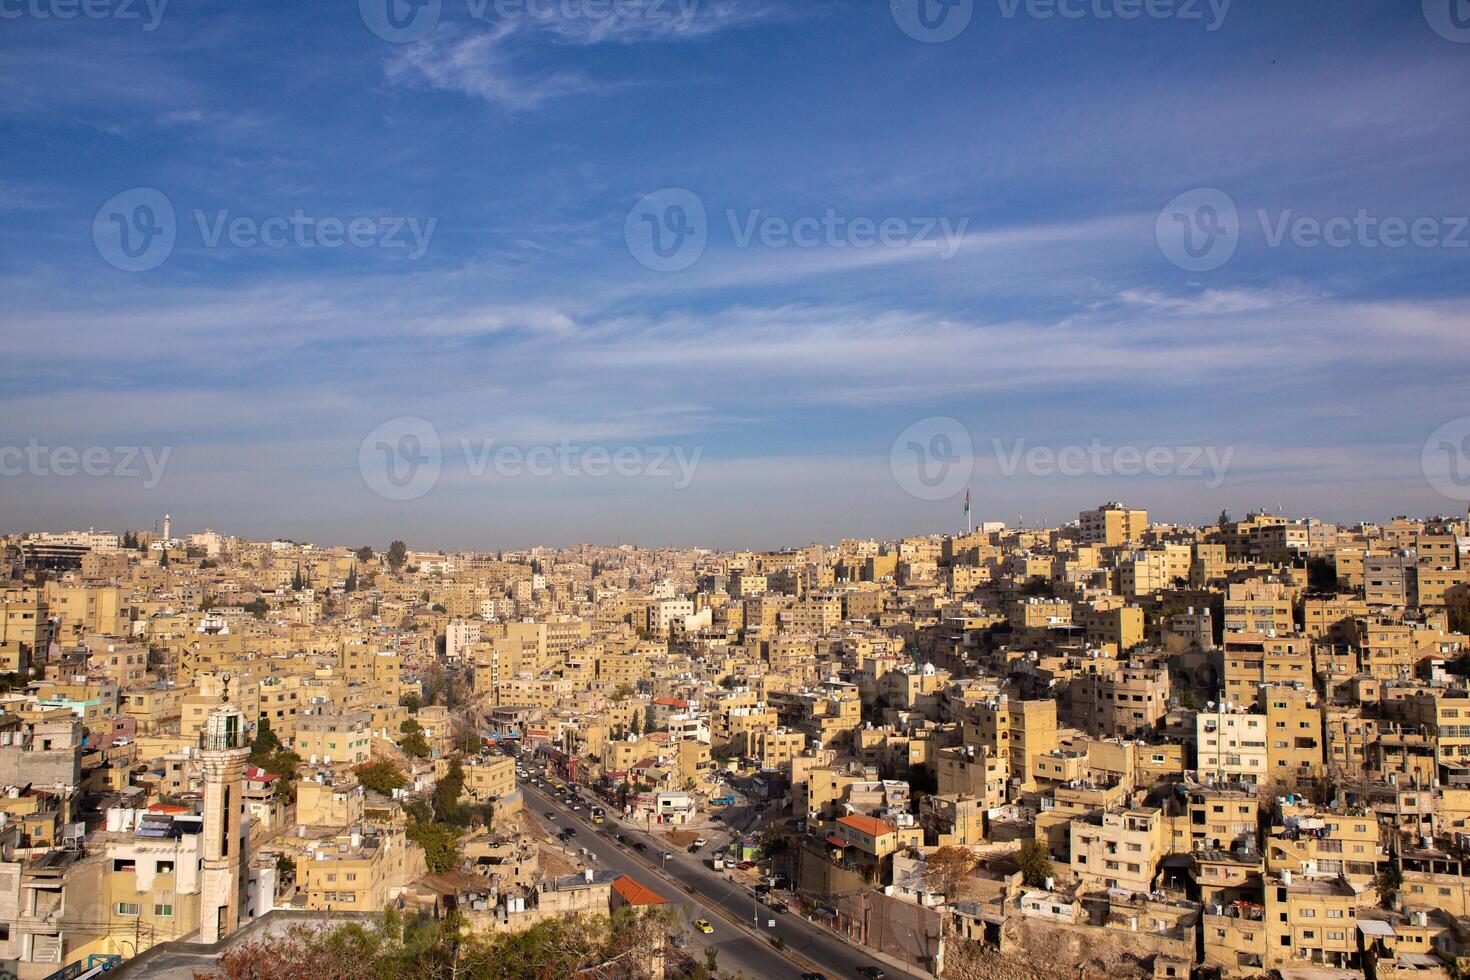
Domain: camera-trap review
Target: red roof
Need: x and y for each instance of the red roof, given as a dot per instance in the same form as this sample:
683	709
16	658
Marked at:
836	841
635	894
871	826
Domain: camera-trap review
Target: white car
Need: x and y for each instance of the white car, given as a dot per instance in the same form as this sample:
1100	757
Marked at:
700	842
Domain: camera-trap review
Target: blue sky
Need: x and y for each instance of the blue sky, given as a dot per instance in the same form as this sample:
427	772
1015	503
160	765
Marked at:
531	148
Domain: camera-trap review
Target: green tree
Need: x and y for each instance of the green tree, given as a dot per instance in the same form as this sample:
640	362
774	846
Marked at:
397	555
1387	883
447	792
413	741
351	584
440	844
1034	860
381	776
364	554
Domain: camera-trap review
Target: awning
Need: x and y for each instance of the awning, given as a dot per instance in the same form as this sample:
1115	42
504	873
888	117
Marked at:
1375	927
836	841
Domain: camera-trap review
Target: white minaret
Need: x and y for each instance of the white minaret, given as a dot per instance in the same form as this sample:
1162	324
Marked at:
167	537
223	751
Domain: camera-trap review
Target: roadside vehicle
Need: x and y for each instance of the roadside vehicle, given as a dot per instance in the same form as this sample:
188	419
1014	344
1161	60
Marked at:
703	925
597	814
872	972
699	842
777	906
638	845
726	800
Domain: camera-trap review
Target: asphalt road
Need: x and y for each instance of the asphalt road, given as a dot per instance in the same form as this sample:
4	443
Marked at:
712	891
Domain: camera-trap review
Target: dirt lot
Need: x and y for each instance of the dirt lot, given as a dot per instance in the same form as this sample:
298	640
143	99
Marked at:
681	838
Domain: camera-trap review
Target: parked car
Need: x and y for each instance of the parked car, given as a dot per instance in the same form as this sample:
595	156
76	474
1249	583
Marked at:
638	845
872	972
813	975
745	865
698	843
777	906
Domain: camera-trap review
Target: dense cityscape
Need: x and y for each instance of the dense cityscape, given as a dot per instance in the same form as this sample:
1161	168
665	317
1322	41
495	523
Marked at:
1112	747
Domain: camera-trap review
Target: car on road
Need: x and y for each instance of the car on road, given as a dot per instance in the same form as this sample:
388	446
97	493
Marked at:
570	831
549	815
704	926
638	845
622	838
872	972
813	975
693	849
762	889
698	843
777	906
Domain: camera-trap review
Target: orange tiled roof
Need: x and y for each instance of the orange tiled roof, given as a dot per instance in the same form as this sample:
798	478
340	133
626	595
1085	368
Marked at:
635	894
871	826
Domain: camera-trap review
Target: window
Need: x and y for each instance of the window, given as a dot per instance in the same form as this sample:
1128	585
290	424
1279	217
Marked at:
163	910
128	908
